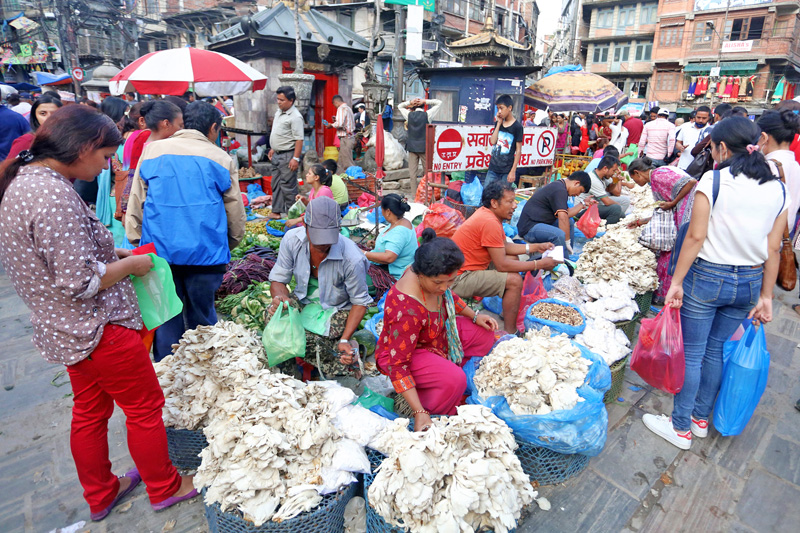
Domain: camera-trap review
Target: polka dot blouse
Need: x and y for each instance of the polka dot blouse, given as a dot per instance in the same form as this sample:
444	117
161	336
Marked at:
55	250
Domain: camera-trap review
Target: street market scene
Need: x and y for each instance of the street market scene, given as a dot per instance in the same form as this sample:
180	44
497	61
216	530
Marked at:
399	266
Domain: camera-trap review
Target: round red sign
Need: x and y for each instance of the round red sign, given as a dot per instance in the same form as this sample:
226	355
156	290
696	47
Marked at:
449	144
547	143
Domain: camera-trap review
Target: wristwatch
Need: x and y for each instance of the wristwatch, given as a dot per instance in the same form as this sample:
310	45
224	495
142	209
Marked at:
296	159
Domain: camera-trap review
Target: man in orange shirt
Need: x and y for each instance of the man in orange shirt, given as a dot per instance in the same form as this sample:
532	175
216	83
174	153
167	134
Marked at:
491	265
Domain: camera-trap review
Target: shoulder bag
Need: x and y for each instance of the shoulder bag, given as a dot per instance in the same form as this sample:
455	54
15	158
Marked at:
660	232
787	268
684	229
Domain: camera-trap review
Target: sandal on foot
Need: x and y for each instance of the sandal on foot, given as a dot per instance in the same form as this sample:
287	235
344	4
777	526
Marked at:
135	480
169	502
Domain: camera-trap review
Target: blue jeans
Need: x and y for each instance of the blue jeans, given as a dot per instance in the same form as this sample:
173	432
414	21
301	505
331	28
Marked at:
716	299
196	290
491	175
550	233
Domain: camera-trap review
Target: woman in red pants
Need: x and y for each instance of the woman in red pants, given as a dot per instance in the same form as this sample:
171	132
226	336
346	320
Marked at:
62	263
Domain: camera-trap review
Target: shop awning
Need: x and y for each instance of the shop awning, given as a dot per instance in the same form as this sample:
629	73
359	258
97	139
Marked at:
682	110
726	67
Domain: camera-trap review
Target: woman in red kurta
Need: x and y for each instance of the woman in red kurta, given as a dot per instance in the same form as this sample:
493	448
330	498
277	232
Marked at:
429	333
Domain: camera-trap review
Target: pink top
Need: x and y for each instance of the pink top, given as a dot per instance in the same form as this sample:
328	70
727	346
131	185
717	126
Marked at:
323	191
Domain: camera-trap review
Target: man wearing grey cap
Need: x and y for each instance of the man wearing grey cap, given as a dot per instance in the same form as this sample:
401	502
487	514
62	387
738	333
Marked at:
330	273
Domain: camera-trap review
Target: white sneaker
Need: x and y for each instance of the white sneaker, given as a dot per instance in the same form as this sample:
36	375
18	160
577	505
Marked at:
661	425
699	428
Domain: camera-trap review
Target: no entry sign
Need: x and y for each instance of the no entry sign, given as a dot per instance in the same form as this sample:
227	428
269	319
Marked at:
468	147
449	144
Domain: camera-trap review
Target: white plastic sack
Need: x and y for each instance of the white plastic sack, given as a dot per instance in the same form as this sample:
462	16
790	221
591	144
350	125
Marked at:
355	516
360	425
337	396
333	479
394	153
380	384
351	457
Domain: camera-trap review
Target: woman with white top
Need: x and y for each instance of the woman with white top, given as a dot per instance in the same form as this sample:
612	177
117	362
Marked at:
726	269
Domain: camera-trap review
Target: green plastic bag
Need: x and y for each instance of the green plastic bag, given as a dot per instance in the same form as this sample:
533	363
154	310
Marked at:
158	301
370	398
296	210
315	318
284	336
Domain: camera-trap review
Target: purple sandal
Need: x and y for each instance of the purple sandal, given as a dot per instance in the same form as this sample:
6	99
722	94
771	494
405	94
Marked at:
172	500
135	480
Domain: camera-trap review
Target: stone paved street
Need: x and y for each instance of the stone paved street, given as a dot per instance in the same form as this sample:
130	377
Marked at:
750	483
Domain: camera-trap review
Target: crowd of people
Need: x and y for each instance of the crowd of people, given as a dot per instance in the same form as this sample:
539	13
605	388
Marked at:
734	183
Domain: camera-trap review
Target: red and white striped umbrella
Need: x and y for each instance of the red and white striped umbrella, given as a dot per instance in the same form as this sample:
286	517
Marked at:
176	71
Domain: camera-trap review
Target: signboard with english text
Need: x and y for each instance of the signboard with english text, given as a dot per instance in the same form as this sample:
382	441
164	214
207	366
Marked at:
457	147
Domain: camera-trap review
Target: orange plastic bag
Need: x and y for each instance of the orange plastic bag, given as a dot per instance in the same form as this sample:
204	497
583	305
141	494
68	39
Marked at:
423	194
442	219
589	222
532	291
658	357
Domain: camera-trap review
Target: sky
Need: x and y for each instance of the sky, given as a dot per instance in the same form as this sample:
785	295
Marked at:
548	19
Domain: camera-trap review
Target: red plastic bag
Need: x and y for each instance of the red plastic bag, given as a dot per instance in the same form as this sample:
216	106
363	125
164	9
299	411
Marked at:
442	219
423	195
589	222
366	200
658	357
532	291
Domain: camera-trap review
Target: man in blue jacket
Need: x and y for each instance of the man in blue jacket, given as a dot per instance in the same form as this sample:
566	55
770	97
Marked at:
185	200
12	125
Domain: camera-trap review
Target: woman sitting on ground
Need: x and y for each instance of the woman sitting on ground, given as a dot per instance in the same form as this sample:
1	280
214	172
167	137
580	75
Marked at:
320	179
396	246
83	307
429	332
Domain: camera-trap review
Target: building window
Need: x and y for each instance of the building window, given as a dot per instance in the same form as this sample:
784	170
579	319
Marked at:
605	18
151	7
671	37
627	16
644	51
345	18
780	27
703	35
454	6
620	85
447	112
622	53
744	29
639	89
600	54
476	11
667	81
648	15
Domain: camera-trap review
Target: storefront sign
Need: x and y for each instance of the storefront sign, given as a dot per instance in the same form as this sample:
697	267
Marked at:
737	46
468	147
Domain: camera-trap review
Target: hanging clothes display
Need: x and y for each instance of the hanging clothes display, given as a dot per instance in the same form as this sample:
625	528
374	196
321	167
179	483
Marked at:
750	86
777	95
735	91
729	86
721	85
790	88
692	86
702	86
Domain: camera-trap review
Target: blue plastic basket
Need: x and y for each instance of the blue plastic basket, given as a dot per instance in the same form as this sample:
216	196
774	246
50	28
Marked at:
327	517
547	467
184	447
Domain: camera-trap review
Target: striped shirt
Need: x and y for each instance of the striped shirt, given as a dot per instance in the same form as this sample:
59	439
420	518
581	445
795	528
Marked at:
345	123
658	139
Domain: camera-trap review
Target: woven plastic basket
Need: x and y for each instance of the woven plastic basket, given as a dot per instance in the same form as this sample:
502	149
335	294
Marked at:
547	467
327	517
644	301
184	447
464	209
402	408
628	327
617	379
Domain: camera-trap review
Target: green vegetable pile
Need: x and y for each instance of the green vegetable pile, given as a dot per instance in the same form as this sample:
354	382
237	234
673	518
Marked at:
252	239
277	224
248	307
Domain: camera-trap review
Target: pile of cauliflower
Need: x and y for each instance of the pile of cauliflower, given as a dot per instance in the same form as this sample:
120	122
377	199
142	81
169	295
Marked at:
537	374
618	256
461	475
195	377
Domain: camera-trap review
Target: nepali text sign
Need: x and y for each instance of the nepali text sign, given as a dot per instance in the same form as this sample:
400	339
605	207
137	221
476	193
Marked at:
468	147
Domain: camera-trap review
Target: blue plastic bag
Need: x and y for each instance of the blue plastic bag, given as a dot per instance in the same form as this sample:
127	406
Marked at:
518	213
471	193
509	230
582	429
493	304
355	172
744	378
372	323
555	327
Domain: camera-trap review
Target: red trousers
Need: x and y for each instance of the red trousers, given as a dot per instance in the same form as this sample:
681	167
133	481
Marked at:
119	370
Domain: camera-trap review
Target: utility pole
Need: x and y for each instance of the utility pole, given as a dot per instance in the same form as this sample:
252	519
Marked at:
399	52
69	41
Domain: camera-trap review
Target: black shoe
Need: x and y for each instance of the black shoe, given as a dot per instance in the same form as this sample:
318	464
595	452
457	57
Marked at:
797	405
